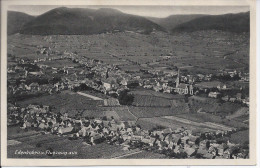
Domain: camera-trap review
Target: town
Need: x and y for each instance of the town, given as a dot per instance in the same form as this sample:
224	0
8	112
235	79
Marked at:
33	78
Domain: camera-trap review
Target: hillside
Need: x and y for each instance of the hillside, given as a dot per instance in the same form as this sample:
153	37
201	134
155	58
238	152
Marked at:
16	20
229	22
172	21
77	21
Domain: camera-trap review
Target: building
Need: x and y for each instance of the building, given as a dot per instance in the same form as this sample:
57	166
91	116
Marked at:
182	88
214	94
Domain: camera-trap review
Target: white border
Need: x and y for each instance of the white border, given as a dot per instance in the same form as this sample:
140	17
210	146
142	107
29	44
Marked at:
94	162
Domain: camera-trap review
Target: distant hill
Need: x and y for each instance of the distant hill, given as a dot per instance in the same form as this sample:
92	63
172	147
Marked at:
16	20
172	21
229	22
70	21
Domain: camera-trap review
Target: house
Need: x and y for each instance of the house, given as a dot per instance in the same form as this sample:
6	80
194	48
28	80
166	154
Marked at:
176	138
136	138
202	151
65	130
124	82
23	86
232	99
185	139
220	149
105	131
167	131
194	140
225	98
239	97
83	131
214	94
179	130
126	137
189	151
36	73
208	156
107	86
34	87
159	134
96	138
177	149
168	138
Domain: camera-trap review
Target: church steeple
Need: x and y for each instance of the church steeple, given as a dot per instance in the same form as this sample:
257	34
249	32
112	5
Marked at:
177	81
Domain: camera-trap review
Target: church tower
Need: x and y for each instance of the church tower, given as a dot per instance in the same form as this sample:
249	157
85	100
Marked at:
177	81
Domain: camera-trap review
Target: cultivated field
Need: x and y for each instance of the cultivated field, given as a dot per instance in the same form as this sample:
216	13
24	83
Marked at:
218	50
203	117
150	123
240	137
69	102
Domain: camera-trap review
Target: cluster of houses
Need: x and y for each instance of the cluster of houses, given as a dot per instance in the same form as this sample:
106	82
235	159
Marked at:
237	98
127	134
109	79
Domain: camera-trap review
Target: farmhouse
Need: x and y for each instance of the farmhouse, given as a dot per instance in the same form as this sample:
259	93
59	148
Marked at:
34	87
65	130
190	151
214	94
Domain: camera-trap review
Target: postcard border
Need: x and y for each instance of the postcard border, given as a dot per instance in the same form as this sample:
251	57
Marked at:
94	162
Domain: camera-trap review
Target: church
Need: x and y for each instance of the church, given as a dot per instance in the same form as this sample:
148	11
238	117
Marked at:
183	88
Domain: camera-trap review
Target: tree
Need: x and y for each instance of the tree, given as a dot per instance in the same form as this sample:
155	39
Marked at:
197	141
124	98
207	144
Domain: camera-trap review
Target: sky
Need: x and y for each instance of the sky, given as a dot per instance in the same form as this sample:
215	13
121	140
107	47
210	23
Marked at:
151	11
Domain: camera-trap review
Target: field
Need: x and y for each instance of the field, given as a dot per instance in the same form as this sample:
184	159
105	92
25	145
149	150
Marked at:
150	123
120	113
177	122
67	101
143	92
153	101
240	137
211	105
203	117
72	103
241	112
218	50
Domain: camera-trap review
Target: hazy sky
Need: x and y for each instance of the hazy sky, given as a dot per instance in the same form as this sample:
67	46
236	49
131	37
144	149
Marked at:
154	11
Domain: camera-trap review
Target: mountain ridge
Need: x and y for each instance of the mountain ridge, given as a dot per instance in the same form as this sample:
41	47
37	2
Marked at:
16	20
87	21
238	23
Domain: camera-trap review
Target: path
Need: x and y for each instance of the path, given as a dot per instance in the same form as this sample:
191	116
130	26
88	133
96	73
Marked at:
136	118
89	96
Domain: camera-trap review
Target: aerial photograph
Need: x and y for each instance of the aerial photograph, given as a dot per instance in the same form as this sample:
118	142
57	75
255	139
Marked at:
128	82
